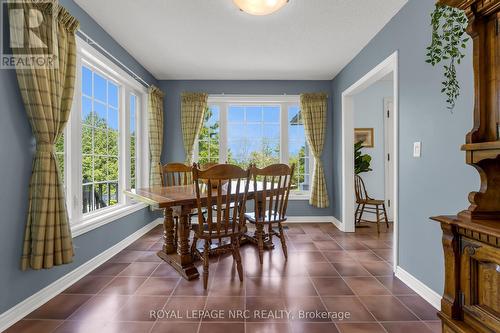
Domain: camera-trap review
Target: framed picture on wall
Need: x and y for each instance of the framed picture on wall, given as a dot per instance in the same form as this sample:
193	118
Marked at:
365	135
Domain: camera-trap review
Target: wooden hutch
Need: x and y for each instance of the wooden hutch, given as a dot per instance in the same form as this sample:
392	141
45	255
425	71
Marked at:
471	299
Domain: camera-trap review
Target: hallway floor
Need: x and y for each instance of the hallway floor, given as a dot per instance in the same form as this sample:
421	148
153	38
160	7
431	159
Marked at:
328	275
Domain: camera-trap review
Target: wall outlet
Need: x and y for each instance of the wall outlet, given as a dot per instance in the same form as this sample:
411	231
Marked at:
417	149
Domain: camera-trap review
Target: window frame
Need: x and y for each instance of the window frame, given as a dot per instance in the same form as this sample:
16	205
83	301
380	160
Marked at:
127	85
284	101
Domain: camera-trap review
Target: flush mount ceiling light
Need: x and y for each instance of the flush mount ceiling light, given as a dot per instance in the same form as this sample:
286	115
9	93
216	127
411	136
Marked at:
260	7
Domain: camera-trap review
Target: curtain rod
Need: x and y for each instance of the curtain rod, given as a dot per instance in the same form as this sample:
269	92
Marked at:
96	45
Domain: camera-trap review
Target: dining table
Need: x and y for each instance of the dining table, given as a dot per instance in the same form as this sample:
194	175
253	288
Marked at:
183	200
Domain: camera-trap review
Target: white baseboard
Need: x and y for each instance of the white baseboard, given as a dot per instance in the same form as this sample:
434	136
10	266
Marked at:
20	310
419	287
315	219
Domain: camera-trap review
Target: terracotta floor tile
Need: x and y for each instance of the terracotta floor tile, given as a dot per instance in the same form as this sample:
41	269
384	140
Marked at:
158	286
109	269
266	309
420	307
123	285
376	244
141	244
185	306
350	269
305	309
387	308
332	287
349	309
327	245
395	285
298	327
363	256
369	286
141	308
100	308
173	327
60	307
300	257
360	328
351	245
297	286
338	256
268	328
407	327
126	256
191	288
384	254
265	286
149	256
378	268
435	326
207	327
165	270
226	305
89	284
127	327
320	237
34	326
321	269
77	326
139	269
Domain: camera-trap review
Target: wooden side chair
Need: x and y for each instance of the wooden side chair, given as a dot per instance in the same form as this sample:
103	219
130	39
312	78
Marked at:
215	187
366	204
270	206
176	174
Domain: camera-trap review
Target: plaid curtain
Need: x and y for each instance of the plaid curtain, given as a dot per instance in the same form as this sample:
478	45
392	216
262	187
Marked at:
47	94
192	113
314	112
155	111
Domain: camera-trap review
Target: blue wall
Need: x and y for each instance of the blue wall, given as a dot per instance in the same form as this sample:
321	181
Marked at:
439	181
16	148
173	149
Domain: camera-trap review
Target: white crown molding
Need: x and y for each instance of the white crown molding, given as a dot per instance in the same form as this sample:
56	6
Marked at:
419	287
20	310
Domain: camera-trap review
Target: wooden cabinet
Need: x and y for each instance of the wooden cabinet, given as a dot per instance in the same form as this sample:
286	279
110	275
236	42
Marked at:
471	239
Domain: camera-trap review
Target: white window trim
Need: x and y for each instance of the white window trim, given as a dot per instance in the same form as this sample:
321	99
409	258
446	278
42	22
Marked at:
81	223
223	102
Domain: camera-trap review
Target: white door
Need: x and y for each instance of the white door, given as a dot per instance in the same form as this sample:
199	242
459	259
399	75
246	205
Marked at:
388	151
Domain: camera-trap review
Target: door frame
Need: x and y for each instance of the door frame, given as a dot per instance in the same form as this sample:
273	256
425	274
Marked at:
389	65
388	160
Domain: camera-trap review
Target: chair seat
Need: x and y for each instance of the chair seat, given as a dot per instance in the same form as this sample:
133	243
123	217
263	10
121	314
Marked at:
371	202
265	219
223	206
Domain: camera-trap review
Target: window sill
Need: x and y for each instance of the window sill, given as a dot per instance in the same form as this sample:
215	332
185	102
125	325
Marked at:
99	219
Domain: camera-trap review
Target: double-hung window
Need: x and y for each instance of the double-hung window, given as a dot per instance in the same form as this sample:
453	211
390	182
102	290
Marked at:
256	129
102	151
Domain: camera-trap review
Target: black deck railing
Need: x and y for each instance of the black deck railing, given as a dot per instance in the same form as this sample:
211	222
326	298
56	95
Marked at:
99	195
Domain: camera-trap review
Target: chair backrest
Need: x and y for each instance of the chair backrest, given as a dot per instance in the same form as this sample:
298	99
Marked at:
275	181
176	174
208	165
360	189
216	188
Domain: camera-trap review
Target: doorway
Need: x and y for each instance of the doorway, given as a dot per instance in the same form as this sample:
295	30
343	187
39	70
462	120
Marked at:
388	68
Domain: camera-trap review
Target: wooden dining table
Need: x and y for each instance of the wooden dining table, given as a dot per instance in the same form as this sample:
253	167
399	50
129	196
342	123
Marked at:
184	197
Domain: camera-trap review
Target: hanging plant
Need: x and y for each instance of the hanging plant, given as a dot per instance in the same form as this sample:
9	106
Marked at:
448	44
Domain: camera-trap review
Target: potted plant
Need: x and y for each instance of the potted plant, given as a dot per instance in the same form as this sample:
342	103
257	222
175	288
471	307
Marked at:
361	161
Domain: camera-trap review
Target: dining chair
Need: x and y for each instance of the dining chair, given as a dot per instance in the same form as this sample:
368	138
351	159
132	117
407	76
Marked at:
368	204
177	174
215	187
271	205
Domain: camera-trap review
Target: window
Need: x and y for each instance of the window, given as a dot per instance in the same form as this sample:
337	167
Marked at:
256	129
100	152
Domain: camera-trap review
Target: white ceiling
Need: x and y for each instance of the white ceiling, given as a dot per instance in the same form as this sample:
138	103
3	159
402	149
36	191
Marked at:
212	39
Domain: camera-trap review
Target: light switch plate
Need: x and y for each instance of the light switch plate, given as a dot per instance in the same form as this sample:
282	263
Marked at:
417	149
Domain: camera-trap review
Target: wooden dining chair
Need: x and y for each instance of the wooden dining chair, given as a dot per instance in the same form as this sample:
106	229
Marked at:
177	174
366	204
271	205
215	187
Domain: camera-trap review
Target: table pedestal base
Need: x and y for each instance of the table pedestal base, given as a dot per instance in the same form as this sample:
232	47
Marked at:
188	270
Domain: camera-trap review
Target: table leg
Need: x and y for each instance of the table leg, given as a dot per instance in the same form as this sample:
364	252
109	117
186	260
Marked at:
168	232
182	260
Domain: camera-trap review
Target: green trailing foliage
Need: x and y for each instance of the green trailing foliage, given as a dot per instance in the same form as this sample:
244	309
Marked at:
361	161
448	44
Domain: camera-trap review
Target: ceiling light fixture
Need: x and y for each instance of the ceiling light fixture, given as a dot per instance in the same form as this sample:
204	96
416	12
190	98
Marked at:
260	7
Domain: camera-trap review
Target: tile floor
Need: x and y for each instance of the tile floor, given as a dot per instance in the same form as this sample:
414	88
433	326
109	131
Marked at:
327	271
